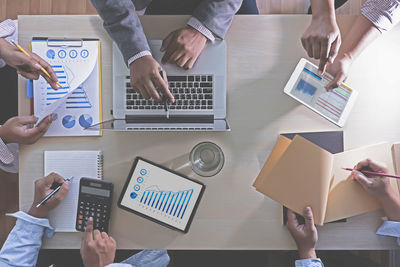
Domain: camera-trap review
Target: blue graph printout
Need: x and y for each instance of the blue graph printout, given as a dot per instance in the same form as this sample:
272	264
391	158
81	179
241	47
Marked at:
77	103
161	195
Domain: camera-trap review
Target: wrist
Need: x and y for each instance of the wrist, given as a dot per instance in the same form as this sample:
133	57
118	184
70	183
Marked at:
307	254
37	212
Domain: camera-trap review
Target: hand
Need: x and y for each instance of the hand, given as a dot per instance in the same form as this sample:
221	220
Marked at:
322	40
97	249
42	189
377	186
305	235
16	129
183	47
29	67
339	70
145	78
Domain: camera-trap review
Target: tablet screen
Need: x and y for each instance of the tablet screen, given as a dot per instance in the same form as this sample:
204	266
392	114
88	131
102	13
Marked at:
161	195
310	88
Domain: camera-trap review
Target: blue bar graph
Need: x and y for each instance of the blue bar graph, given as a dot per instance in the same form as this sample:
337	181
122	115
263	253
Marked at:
170	203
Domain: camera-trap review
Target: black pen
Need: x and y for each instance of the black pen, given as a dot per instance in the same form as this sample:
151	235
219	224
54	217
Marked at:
52	193
165	99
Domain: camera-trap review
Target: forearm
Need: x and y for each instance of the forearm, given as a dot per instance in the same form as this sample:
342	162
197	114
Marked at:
391	206
24	241
123	25
362	34
323	8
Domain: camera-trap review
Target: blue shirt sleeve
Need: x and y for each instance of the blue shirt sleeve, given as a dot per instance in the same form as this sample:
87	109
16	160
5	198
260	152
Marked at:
390	228
25	240
309	263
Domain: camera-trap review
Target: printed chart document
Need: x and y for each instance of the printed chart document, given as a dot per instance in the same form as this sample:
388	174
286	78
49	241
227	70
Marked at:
69	164
78	104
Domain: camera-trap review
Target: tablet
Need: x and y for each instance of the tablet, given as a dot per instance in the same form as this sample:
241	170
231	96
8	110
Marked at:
307	87
161	195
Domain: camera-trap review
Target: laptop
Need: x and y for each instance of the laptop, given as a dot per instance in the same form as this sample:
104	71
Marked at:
200	95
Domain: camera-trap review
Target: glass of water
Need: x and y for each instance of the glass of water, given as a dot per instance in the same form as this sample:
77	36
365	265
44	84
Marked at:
206	159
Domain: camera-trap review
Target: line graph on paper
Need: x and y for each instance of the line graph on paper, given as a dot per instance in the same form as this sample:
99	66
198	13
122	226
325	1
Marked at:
168	203
78	99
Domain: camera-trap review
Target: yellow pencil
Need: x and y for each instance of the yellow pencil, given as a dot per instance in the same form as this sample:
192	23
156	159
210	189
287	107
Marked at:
26	53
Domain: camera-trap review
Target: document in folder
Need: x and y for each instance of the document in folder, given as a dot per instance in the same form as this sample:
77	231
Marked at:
300	173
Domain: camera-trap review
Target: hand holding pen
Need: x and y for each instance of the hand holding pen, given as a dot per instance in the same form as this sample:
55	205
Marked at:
45	187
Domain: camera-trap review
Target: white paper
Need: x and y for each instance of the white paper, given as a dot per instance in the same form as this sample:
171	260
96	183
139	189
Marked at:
76	105
69	164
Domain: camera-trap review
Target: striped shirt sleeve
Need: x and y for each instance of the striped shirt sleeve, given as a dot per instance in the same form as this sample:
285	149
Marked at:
6	155
384	14
7	28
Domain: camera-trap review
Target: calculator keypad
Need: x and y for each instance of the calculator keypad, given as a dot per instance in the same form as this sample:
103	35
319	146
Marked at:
97	211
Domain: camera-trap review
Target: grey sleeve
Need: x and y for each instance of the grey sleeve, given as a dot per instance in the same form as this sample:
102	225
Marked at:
123	25
217	15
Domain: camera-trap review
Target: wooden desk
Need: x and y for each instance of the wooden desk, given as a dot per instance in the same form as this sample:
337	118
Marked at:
262	52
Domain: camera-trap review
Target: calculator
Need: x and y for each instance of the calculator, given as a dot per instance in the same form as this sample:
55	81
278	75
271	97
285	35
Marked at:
94	201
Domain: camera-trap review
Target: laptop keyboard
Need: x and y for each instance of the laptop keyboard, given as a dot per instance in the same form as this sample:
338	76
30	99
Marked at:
191	92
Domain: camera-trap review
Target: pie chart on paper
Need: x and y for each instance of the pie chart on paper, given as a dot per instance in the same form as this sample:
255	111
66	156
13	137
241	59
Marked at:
68	121
85	120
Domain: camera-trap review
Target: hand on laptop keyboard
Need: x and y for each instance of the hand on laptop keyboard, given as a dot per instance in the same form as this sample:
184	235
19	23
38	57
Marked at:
146	79
183	47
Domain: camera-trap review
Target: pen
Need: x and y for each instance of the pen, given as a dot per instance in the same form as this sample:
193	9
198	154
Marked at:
26	53
52	193
375	173
165	99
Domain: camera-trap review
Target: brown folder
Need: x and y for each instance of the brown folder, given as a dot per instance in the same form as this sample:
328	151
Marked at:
301	173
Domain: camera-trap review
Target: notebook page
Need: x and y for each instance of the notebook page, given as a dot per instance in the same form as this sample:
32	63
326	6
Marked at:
69	164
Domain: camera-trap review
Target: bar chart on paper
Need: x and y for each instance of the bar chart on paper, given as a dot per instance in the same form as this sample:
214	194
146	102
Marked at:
168	203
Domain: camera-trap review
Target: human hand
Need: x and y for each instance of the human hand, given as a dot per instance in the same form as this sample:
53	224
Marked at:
183	47
28	66
377	186
97	249
305	235
322	40
16	129
339	70
145	78
42	189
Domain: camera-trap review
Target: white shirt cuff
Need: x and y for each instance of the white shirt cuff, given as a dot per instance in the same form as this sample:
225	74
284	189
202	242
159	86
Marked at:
390	228
197	25
384	14
6	156
7	28
139	55
309	263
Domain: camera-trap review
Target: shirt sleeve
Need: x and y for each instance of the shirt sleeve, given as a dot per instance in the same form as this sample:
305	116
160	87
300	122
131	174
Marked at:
6	156
309	263
149	258
7	28
197	25
390	228
25	240
384	14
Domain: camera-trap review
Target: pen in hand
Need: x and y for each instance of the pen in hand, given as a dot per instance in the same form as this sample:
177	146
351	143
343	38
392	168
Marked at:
26	53
58	187
165	99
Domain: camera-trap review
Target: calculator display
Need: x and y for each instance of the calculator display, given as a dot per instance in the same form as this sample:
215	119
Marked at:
95	191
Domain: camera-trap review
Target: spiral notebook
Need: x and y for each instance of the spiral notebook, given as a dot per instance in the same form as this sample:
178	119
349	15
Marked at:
69	164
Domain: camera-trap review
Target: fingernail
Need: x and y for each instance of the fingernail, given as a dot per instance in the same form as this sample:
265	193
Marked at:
90	219
37	66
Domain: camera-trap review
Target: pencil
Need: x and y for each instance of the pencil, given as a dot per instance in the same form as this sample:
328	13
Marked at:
375	173
26	53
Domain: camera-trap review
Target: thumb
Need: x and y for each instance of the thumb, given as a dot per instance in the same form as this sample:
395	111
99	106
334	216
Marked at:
309	218
24	120
359	177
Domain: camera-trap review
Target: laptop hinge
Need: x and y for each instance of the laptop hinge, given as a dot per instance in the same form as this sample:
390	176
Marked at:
172	119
